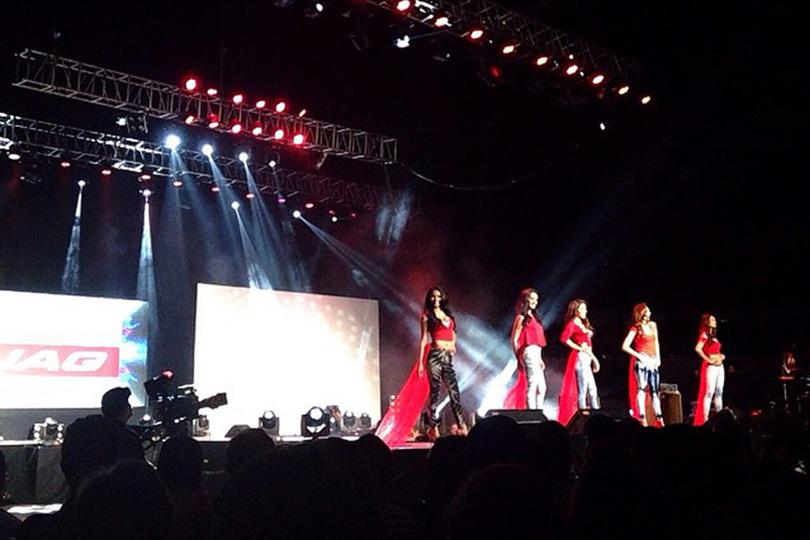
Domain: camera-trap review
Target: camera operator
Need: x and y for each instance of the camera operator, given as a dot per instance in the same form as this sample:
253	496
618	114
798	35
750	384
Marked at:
115	407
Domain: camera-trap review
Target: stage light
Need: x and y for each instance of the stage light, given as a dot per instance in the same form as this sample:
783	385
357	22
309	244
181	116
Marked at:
238	99
81	183
309	205
212	92
121	121
281	106
213	121
257	130
318	7
365	421
282	200
207	150
602	126
5	143
172	142
302	113
508	49
14	156
235	205
106	172
541	60
236	128
597	79
177	183
261	104
249	195
269	422
279	134
297	214
298	139
315	423
403	5
243	157
349	421
623	90
570	70
146	193
403	42
334	219
215	189
190	84
645	100
353	215
144	177
64	164
48	431
476	34
441	21
190	119
272	163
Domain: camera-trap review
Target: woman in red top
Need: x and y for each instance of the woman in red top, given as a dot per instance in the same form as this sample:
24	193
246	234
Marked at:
579	384
528	340
712	374
439	331
641	343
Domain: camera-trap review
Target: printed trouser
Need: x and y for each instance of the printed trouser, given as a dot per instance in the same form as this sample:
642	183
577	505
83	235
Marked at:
441	370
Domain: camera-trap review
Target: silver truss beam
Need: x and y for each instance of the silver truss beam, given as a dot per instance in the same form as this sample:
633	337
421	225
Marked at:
77	80
55	141
534	37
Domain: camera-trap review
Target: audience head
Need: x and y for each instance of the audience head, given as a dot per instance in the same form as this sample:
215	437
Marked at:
245	446
115	404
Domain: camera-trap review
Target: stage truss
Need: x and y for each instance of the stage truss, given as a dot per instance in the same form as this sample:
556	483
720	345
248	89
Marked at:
55	141
77	80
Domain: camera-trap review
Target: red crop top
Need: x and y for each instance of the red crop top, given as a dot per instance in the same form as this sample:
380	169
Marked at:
575	333
442	332
644	343
710	345
532	333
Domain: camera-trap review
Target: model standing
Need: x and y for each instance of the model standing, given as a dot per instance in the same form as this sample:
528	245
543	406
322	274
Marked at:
712	372
579	385
528	339
641	343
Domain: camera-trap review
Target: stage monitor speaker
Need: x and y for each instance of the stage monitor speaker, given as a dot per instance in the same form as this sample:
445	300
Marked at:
576	425
235	430
671	407
521	416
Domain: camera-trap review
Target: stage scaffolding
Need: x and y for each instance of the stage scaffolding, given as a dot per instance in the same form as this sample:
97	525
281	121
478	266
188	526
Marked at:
59	76
55	141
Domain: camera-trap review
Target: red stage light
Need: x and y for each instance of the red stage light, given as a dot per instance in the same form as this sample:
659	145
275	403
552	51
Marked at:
646	99
570	70
298	139
597	79
281	106
236	128
509	49
281	200
261	104
190	84
212	92
442	21
213	121
476	34
106	172
302	113
623	90
144	177
279	134
190	119
403	5
309	206
256	130
541	60
65	164
238	99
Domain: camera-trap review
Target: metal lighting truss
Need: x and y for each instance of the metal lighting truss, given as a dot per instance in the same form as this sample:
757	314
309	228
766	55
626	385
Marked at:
531	37
26	135
73	79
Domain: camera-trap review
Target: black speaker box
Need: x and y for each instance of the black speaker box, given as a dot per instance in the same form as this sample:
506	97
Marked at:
521	416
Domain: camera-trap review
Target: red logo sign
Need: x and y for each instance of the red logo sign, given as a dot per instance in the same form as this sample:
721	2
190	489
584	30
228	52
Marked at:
58	361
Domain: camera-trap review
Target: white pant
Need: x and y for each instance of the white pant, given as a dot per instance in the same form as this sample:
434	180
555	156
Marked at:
586	384
536	378
715	378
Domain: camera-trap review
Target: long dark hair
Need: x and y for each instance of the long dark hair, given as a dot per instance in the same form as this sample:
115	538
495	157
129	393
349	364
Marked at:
522	306
571	312
444	304
704	326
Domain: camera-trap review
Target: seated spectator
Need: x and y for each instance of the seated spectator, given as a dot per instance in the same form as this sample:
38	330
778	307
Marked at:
115	407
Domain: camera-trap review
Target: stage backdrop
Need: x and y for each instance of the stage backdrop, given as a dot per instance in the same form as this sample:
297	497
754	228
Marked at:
64	352
285	352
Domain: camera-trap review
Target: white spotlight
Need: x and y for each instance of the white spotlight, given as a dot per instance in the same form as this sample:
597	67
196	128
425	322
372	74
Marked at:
14	156
334	219
81	183
272	163
207	149
602	126
297	214
147	193
172	142
243	157
403	42
235	205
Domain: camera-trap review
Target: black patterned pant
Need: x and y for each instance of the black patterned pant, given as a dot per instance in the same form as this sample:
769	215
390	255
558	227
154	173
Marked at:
440	369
